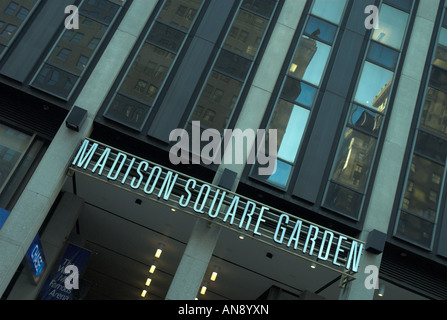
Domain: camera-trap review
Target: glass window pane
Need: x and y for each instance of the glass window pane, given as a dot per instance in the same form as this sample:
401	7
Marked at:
127	111
56	81
431	146
440	59
393	23
263	7
299	92
367	120
233	64
100	10
382	55
413	228
76	48
310	60
166	37
246	34
147	73
12	16
354	159
320	30
180	13
423	188
434	113
329	10
13	144
438	78
374	86
343	200
290	121
217	101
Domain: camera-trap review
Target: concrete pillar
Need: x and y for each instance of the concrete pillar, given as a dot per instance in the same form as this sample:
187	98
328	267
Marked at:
36	200
385	185
204	236
53	240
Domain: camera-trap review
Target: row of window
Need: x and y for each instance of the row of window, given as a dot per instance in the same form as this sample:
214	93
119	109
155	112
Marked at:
301	86
67	61
139	89
13	15
370	106
421	199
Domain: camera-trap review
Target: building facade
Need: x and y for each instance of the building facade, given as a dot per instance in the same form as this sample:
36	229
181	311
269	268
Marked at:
130	127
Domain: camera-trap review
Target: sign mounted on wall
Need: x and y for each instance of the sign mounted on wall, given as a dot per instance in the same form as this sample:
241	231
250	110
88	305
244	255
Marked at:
236	212
36	259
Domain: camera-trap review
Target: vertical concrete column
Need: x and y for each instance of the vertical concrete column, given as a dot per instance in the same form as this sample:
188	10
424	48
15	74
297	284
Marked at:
385	185
204	236
36	200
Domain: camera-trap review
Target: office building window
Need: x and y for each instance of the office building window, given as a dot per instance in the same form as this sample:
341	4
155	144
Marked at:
422	194
370	105
18	151
230	71
140	87
13	16
67	61
301	86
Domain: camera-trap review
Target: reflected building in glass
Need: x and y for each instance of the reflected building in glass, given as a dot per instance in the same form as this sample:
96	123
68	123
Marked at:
359	117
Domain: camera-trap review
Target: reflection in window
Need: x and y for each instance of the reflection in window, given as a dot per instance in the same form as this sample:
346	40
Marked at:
74	50
147	74
17	153
356	148
300	87
13	15
233	63
374	87
310	60
353	160
421	197
393	23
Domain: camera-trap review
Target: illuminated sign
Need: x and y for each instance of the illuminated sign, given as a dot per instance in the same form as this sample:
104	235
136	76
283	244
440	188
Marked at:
36	258
223	207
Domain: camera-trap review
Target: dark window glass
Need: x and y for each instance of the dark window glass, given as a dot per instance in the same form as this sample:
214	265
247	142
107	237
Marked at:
438	78
354	159
364	119
180	13
233	65
166	37
423	188
320	30
343	200
12	16
147	73
52	79
434	112
404	5
382	55
431	146
246	34
415	229
220	99
299	92
263	7
99	10
128	111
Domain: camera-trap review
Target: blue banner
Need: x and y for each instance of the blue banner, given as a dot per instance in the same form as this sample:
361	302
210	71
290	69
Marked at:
66	277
